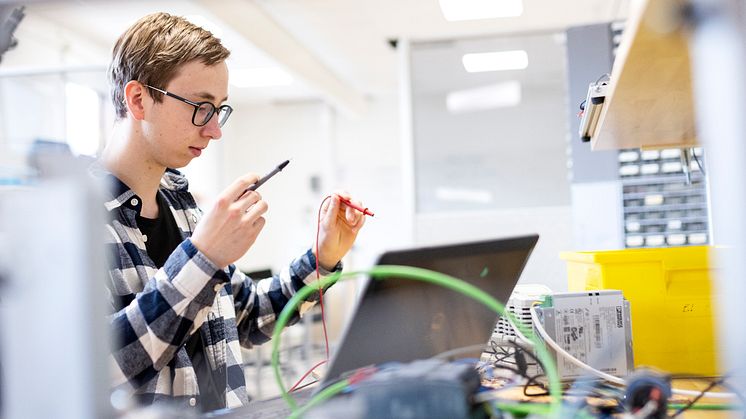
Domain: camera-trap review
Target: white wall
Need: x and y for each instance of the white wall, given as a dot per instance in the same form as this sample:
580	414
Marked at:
553	224
597	215
370	166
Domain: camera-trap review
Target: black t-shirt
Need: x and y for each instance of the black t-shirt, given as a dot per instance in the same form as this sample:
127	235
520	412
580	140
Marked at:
162	237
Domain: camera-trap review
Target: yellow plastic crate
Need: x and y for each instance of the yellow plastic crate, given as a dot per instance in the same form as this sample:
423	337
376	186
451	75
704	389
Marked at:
671	299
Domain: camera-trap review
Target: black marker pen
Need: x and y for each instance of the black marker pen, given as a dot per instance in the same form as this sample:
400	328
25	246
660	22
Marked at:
266	177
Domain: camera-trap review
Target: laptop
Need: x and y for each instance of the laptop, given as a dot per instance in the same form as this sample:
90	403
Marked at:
401	320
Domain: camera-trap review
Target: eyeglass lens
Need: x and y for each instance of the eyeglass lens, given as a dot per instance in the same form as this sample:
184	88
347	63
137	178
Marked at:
206	110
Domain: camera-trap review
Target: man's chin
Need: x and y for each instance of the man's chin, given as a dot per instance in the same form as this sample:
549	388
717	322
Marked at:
178	164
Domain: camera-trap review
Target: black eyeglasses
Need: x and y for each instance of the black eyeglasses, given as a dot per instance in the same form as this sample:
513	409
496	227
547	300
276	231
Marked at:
203	111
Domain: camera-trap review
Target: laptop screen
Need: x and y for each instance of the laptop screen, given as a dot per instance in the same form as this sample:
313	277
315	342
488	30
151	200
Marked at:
404	320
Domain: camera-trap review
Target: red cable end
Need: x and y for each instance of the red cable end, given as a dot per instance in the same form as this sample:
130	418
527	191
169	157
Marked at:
347	202
361	374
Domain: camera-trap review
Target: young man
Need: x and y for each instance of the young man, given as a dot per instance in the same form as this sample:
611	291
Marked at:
180	309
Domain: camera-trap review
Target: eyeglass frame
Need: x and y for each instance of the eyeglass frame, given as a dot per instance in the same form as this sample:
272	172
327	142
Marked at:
216	110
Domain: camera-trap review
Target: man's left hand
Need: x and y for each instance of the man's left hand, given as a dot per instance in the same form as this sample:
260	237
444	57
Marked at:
338	229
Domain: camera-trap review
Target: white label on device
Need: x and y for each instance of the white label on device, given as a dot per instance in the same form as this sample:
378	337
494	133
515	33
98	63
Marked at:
591	328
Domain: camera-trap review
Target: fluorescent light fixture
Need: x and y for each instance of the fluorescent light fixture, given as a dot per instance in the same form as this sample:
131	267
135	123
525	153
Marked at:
500	95
495	61
477	196
455	10
206	24
260	77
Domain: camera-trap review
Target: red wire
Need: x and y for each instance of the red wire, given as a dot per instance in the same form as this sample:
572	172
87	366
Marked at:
321	299
306	374
321	292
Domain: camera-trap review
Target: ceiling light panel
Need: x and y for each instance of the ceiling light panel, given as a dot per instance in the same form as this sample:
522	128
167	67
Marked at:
495	61
499	95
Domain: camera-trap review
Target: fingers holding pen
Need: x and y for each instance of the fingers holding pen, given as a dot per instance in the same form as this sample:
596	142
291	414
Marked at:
247	200
248	207
252	206
239	187
227	231
354	218
350	209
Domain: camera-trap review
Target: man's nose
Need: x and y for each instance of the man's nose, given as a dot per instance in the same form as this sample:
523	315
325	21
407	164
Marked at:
212	128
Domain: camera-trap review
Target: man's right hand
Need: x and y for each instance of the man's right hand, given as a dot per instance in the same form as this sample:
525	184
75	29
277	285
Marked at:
233	224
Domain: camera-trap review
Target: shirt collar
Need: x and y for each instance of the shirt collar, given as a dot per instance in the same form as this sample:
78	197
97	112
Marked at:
118	194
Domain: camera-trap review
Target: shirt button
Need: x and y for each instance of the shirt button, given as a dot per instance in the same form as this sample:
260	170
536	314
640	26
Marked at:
134	202
194	218
144	237
192	402
217	287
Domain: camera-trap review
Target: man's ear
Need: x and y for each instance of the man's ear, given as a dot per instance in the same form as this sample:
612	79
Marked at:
134	96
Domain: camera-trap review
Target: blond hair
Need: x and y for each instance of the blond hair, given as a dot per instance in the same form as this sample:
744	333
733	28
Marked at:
152	50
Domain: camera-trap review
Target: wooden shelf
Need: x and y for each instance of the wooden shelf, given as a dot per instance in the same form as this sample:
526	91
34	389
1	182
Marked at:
649	97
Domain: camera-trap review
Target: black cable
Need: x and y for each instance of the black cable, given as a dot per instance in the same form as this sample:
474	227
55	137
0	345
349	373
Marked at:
504	353
503	359
525	350
305	385
530	380
520	361
495	346
537	383
699	396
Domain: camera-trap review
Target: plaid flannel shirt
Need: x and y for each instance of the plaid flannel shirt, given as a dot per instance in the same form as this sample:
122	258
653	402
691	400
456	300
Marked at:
154	311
